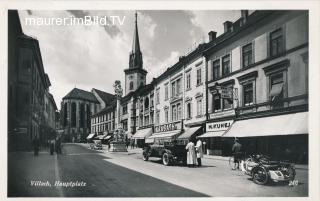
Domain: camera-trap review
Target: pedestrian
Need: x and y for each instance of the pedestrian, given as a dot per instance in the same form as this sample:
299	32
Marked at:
199	151
191	154
36	146
127	143
236	149
58	145
51	147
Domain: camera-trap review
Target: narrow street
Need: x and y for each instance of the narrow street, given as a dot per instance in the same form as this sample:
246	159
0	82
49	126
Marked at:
108	174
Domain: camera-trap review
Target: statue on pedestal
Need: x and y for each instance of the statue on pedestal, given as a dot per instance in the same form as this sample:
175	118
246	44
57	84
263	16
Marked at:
118	144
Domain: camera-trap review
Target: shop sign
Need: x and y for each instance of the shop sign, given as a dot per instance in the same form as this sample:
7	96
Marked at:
167	127
218	126
222	114
226	92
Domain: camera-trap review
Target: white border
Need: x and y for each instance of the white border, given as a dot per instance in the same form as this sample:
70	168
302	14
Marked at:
314	71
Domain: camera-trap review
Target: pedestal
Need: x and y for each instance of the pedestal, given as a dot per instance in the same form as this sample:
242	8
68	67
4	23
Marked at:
118	147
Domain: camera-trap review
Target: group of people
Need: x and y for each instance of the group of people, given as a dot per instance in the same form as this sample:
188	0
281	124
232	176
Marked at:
194	153
55	145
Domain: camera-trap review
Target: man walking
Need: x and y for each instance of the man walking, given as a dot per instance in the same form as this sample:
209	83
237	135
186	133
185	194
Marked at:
236	149
199	151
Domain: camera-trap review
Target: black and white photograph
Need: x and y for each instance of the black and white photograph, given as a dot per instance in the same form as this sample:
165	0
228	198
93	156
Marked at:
143	102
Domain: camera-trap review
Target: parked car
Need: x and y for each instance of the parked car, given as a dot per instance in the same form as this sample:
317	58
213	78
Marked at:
96	144
169	151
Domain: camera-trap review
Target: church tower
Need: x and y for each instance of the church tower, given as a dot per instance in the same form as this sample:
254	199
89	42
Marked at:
135	74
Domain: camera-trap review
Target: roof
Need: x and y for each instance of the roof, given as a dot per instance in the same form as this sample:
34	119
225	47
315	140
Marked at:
81	94
53	101
111	107
253	19
106	97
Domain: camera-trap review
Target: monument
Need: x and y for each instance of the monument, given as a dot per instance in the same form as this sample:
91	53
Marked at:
118	144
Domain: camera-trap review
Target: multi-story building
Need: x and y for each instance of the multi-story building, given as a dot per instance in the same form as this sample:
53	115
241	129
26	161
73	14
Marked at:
180	98
76	110
103	122
50	108
27	86
258	84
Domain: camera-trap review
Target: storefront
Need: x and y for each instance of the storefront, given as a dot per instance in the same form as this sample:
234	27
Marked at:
165	132
282	137
213	143
189	134
140	136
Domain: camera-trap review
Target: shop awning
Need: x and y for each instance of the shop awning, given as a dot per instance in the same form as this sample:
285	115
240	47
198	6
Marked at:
164	135
107	137
143	133
212	134
289	124
189	132
101	137
91	135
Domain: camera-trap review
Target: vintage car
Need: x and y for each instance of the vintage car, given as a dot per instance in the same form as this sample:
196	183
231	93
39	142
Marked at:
169	151
96	144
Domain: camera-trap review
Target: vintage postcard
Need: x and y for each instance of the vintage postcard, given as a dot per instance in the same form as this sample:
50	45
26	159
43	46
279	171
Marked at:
125	100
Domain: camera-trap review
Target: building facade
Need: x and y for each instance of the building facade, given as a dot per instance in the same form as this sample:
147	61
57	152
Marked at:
28	85
258	73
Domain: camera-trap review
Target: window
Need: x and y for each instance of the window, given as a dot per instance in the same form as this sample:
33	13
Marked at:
248	94
146	120
216	102
179	111
276	87
226	65
73	114
216	70
174	113
131	86
189	110
176	88
199	81
173	89
166	92
199	107
188	81
276	42
151	118
166	115
247	55
152	101
125	110
146	103
158	96
158	117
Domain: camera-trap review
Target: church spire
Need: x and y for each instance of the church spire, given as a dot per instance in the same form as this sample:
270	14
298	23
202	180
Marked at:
135	60
136	44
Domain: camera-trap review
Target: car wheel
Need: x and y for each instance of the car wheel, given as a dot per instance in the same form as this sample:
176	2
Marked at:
145	156
165	159
260	176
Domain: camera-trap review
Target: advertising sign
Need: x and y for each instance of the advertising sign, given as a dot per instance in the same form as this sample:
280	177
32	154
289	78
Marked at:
218	126
167	127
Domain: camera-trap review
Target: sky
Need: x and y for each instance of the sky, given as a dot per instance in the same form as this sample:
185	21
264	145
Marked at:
95	56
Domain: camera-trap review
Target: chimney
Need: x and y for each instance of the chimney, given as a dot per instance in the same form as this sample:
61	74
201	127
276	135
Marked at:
227	26
212	35
244	16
